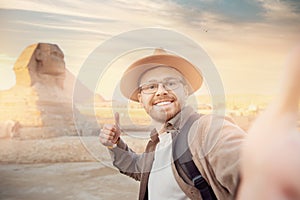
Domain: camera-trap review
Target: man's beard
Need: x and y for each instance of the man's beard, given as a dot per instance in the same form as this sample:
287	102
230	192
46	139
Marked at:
162	115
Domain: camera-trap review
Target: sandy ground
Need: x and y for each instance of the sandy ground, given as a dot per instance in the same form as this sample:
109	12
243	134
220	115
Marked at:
65	181
60	149
62	168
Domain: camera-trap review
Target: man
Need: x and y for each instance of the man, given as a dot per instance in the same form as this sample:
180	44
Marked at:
270	158
162	83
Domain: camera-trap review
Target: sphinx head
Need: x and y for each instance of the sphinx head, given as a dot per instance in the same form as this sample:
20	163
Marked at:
50	59
41	63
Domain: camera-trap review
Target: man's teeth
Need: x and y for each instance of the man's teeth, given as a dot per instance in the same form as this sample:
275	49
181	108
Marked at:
163	103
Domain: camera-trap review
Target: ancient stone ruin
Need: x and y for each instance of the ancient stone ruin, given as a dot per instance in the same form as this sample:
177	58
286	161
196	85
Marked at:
40	104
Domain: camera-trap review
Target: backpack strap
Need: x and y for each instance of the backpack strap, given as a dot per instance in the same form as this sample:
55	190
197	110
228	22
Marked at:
183	160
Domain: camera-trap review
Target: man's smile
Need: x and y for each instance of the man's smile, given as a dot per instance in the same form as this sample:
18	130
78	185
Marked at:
163	102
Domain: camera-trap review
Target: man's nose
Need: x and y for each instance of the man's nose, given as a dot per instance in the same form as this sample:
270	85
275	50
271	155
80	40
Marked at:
161	90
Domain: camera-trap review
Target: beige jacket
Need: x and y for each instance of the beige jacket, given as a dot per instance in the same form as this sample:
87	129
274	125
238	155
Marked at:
214	143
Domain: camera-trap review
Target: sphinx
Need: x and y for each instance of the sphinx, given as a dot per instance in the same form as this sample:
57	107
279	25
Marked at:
41	100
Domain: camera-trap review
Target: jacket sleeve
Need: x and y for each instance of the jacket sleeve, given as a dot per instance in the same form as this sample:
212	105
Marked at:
219	144
127	161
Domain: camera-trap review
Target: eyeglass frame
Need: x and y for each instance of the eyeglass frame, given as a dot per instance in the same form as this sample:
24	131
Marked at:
179	80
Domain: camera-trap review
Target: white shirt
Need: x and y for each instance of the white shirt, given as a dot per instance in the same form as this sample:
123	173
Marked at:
162	183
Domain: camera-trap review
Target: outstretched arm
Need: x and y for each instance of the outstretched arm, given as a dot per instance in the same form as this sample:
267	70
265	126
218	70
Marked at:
270	156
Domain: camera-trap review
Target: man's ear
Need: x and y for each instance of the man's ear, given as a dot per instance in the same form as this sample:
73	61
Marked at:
186	90
140	99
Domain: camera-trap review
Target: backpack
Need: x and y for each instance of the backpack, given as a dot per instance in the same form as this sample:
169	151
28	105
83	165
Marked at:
183	160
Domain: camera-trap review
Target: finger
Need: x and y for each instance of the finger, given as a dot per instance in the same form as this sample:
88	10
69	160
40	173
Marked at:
290	82
106	139
109	127
106	135
108	132
105	142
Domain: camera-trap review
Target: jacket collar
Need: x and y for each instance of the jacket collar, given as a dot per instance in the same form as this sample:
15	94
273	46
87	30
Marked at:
154	135
175	123
179	120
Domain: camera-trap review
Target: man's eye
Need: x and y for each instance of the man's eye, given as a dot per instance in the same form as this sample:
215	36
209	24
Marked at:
149	87
152	86
171	83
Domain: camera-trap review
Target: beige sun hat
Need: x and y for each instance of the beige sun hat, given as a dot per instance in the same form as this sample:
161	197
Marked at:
131	77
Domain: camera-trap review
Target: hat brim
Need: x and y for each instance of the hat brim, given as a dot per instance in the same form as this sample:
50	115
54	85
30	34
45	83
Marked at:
130	79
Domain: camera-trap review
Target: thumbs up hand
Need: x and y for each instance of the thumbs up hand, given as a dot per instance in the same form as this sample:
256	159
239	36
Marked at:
110	133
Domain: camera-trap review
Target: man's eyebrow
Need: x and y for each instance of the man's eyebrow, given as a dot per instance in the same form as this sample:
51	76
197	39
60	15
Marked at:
150	81
166	78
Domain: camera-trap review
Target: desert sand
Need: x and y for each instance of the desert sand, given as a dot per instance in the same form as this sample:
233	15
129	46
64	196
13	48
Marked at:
62	168
78	180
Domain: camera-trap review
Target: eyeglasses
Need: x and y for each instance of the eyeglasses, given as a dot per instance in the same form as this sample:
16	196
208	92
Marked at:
168	84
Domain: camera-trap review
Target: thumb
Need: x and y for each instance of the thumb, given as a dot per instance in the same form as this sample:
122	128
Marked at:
291	83
117	120
117	124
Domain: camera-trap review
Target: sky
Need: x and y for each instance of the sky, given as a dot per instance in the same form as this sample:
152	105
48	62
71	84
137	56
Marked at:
247	40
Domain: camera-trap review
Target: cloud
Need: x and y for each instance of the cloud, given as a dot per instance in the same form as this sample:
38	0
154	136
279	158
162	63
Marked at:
281	11
105	10
238	32
231	11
